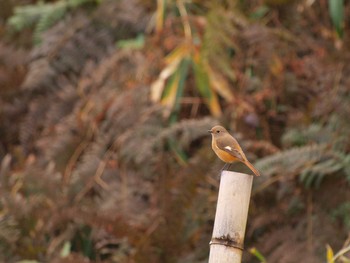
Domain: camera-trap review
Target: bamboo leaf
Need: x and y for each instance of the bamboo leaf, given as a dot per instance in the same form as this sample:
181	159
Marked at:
160	14
202	80
157	87
170	91
182	74
257	254
219	84
330	254
203	86
174	88
178	53
336	12
159	90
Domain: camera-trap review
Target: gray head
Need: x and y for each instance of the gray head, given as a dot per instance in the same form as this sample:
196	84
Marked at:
218	131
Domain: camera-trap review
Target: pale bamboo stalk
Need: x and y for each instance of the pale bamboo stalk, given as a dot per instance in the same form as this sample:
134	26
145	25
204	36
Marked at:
226	245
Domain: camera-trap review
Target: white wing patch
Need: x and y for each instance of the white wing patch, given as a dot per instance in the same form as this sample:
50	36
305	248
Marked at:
228	148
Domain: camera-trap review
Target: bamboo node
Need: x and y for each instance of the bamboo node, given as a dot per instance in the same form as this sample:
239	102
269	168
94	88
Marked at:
227	241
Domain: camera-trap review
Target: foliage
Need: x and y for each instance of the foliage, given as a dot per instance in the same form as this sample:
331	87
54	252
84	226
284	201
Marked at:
257	254
323	149
84	198
336	12
43	15
343	213
92	171
339	256
312	162
198	51
136	43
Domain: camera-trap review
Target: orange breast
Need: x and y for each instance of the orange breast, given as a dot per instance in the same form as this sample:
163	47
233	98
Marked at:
224	156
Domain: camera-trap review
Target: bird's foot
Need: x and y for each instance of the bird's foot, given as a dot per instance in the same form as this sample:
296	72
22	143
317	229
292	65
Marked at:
226	167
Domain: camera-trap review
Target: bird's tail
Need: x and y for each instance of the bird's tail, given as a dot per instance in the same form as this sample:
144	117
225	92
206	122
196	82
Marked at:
251	167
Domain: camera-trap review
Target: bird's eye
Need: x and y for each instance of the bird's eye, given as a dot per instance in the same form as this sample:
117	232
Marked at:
217	131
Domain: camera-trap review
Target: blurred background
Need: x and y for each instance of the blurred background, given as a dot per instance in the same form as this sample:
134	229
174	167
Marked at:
104	112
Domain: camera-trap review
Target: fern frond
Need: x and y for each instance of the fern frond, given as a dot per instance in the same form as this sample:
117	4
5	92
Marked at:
43	15
9	235
293	160
218	42
26	16
62	146
49	17
315	133
311	162
144	145
313	175
344	159
32	122
8	230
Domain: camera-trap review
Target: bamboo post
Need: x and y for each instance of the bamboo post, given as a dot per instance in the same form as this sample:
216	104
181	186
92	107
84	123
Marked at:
227	241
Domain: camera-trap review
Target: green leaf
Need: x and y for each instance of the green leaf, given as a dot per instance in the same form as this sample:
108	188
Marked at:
170	91
50	16
173	91
203	86
66	249
179	81
42	15
133	43
336	12
257	254
26	16
182	74
260	12
202	80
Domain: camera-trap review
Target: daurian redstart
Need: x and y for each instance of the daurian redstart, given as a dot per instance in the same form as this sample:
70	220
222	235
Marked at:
227	148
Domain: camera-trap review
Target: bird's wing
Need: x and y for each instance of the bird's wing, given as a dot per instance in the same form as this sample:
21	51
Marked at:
230	148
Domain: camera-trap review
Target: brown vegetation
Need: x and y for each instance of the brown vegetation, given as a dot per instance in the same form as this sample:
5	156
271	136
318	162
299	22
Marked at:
93	170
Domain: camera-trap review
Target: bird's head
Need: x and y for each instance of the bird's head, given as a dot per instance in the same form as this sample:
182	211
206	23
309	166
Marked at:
217	131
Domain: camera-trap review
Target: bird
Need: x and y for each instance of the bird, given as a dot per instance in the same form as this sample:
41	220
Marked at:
227	148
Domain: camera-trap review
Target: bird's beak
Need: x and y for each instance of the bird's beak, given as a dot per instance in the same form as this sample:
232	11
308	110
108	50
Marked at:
210	131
